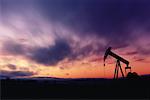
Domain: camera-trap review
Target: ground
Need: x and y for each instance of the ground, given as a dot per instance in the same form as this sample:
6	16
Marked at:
75	88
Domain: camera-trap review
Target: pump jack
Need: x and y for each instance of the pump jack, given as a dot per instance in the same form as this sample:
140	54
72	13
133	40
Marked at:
118	65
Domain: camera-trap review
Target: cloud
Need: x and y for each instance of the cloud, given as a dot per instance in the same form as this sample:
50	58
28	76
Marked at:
144	51
13	47
104	18
16	73
12	67
51	55
140	59
112	21
98	59
67	74
43	55
132	53
62	68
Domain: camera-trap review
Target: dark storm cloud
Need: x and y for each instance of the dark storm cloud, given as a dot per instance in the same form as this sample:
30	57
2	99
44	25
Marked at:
15	73
106	18
53	54
43	55
112	20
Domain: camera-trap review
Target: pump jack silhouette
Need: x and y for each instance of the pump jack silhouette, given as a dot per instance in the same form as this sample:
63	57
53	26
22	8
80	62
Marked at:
118	65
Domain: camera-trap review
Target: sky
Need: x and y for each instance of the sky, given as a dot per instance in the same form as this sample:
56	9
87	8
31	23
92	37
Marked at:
68	38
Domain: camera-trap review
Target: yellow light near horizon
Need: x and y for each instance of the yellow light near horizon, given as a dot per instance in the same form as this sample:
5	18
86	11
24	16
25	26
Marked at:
78	69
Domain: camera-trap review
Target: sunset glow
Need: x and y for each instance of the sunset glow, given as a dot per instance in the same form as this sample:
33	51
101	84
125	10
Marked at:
68	38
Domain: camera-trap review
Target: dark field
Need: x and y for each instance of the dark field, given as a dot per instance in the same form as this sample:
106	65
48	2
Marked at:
75	88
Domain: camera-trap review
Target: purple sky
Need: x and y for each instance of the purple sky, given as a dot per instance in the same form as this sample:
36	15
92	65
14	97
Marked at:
48	32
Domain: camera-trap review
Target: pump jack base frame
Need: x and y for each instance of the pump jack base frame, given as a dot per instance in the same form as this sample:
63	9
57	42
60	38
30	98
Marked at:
118	65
